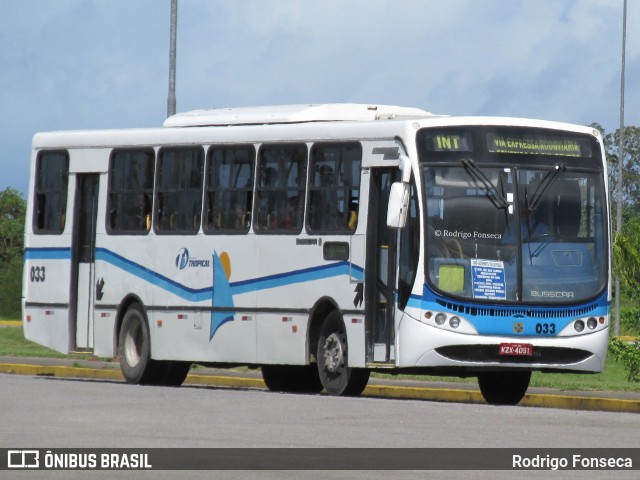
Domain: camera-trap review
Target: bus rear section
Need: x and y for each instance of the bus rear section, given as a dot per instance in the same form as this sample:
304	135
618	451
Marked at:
59	284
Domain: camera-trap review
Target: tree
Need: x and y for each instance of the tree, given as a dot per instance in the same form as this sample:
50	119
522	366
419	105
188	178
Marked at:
626	242
631	180
12	214
626	253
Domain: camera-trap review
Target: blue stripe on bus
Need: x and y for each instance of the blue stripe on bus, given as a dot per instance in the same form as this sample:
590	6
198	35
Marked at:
202	294
47	253
297	276
240	287
187	293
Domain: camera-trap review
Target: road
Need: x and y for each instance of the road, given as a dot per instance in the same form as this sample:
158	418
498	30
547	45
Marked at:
43	412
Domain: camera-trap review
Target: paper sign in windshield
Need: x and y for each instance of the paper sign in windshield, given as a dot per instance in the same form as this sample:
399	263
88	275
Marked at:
488	279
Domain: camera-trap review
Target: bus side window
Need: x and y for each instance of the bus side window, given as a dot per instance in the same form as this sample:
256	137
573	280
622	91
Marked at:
229	188
280	188
179	189
334	190
130	191
52	178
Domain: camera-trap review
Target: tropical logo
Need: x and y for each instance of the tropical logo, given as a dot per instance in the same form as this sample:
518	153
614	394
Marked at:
222	301
183	260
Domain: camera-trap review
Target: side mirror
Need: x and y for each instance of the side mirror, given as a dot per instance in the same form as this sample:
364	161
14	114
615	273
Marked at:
398	205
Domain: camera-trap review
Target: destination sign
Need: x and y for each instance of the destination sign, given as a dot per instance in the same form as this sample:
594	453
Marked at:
537	145
450	142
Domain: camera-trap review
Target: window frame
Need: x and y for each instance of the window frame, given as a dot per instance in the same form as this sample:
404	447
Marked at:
148	193
247	190
178	191
350	214
39	191
280	202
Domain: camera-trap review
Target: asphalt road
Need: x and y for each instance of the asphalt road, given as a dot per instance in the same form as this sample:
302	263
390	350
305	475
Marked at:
44	412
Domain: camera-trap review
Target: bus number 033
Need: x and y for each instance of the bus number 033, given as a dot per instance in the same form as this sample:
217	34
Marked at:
37	274
545	328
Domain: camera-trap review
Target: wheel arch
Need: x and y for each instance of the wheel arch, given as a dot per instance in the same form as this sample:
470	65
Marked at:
121	311
323	307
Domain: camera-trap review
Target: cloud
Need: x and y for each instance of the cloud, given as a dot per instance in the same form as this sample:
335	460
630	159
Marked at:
104	64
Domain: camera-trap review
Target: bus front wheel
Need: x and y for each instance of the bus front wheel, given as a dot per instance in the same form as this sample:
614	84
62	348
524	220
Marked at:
333	360
504	388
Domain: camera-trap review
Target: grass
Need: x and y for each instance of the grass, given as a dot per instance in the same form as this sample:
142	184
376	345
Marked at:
13	344
613	378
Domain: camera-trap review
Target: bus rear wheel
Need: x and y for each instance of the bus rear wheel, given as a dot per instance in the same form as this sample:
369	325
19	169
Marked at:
134	352
333	360
504	388
292	378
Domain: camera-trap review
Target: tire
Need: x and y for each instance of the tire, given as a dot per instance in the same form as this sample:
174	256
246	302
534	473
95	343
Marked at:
292	378
333	360
134	352
504	388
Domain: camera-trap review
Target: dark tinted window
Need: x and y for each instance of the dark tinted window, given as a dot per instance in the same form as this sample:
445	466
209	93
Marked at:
229	189
179	190
52	178
280	188
334	192
130	191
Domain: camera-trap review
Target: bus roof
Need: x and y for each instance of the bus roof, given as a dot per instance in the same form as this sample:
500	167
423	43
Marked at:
276	114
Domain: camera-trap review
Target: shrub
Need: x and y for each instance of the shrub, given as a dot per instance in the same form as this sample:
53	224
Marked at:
629	355
630	321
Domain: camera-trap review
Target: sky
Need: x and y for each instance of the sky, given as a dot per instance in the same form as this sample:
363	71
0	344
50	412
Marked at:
94	64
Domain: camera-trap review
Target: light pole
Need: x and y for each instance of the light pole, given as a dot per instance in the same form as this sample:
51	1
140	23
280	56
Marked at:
171	100
616	328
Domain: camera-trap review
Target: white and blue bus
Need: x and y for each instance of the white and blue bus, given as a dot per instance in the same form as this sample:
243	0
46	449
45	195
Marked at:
323	242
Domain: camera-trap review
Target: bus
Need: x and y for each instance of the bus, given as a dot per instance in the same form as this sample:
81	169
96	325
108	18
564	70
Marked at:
320	243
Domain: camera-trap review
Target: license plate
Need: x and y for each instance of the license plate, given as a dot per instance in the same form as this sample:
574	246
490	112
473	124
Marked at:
516	349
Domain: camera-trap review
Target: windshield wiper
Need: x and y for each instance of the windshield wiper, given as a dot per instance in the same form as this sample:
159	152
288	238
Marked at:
478	175
544	185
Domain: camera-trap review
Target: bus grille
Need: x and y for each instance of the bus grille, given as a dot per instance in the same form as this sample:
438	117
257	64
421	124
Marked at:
489	354
518	311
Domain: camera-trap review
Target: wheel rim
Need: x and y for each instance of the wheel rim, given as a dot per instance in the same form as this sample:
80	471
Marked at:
334	354
133	344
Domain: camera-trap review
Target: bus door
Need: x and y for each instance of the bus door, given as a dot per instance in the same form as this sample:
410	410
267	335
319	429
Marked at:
83	251
380	271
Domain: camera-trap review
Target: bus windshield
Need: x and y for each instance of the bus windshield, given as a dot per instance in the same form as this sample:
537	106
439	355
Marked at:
514	216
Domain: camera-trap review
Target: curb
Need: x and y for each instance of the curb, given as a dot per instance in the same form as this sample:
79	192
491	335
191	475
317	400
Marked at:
10	323
376	391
